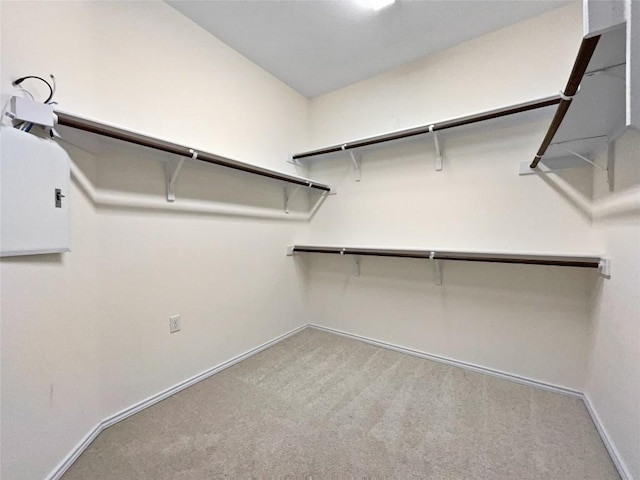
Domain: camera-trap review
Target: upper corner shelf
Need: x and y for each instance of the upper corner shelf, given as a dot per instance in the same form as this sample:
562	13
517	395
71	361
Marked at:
596	93
433	127
92	126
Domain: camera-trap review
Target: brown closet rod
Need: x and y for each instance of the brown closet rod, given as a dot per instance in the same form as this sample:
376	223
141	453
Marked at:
425	129
555	260
86	125
587	47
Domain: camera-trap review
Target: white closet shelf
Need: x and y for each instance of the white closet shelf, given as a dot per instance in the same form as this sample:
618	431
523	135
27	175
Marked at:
431	128
591	113
92	126
563	260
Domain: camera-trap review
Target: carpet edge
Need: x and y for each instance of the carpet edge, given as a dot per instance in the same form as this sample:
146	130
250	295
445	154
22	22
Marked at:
73	455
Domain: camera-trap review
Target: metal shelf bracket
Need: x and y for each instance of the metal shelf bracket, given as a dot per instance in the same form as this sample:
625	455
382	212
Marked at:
437	269
356	265
287	197
607	169
604	267
437	145
567	162
356	262
356	160
294	161
172	170
583	158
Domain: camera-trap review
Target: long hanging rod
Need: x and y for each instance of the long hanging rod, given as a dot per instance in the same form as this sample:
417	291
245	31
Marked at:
86	125
555	260
587	47
433	127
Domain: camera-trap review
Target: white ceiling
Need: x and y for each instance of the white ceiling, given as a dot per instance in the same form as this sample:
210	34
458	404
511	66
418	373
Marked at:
317	46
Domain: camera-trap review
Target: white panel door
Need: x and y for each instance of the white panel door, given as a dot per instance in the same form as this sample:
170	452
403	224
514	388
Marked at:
34	195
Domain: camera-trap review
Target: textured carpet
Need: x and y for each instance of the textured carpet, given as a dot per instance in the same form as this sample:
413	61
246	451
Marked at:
321	405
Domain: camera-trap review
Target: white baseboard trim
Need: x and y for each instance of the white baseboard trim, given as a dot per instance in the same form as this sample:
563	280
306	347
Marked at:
64	465
456	363
613	452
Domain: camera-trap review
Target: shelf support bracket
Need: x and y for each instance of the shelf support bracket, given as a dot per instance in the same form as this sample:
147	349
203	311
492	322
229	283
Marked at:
583	158
356	265
607	169
294	161
437	269
288	197
604	267
172	170
356	160
437	145
525	168
356	262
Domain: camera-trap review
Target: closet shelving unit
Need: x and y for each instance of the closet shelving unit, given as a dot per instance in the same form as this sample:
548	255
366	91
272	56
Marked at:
596	92
428	129
433	127
67	120
596	262
591	113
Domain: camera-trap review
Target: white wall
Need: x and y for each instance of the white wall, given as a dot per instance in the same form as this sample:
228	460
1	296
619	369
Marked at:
613	380
85	334
525	320
50	351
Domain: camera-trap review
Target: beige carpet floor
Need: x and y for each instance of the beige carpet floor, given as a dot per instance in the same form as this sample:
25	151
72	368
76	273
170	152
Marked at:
324	406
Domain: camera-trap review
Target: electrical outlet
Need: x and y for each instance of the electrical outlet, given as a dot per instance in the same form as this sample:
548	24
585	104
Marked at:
175	323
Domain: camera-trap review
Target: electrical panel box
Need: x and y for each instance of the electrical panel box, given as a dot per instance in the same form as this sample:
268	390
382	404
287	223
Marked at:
34	195
27	110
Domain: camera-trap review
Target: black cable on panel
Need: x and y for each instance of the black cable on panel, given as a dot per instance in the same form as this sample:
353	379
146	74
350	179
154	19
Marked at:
25	126
51	89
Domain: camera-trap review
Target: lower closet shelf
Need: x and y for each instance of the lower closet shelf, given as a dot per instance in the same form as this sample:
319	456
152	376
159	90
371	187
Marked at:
602	264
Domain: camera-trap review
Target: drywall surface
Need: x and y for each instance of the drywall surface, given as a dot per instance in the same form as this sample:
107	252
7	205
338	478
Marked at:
51	350
525	320
633	63
613	380
86	334
498	69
